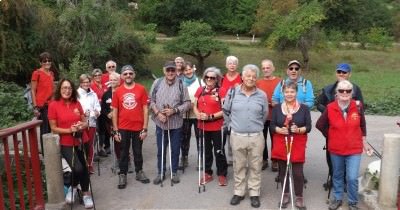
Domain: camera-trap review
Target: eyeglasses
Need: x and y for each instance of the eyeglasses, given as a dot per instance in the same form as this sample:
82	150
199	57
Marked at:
170	70
46	61
110	67
294	68
344	91
210	78
128	73
66	88
341	72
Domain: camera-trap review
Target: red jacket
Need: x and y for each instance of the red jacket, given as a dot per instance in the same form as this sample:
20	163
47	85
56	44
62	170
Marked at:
344	135
298	153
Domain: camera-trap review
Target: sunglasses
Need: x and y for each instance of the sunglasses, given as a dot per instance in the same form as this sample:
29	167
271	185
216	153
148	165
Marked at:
210	78
110	67
341	72
128	73
170	70
97	75
344	91
294	68
46	61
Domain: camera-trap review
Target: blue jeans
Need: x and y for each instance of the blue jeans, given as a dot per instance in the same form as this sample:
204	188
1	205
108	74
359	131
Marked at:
176	138
350	163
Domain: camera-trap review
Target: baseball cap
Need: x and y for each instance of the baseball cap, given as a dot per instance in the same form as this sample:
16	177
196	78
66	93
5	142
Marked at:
343	67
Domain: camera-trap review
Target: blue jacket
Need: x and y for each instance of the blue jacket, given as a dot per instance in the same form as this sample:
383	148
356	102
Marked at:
305	92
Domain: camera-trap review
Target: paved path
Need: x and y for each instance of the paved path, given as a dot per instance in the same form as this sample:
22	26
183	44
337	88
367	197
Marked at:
185	194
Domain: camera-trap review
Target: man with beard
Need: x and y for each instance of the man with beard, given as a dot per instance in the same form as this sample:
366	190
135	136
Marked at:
130	99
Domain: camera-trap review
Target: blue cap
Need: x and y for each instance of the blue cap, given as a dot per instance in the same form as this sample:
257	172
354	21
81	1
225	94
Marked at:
343	67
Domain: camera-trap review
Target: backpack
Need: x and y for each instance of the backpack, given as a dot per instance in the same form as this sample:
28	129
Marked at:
157	86
28	96
303	81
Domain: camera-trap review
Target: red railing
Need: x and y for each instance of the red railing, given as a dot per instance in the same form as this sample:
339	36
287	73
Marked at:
30	154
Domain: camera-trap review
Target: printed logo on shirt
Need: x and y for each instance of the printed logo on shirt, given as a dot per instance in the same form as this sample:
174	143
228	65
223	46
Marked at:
129	101
355	116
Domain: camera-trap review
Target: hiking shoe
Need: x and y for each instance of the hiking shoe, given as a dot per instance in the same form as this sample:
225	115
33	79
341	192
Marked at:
275	166
122	181
222	181
175	178
299	203
335	204
158	180
255	201
264	165
68	198
353	207
236	200
206	178
102	153
140	176
87	202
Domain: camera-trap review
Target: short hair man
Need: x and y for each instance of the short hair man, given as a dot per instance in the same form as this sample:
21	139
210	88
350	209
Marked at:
130	99
169	99
246	111
267	84
305	93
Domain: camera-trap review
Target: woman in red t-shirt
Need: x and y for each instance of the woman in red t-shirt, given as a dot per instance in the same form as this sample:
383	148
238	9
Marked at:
208	110
67	119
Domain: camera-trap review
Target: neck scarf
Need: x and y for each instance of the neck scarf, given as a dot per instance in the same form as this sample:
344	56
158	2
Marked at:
188	81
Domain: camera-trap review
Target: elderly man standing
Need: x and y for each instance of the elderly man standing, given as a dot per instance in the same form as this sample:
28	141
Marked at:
305	93
169	99
245	110
111	66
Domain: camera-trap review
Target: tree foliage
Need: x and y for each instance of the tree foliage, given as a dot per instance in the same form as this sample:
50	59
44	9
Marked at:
298	28
196	39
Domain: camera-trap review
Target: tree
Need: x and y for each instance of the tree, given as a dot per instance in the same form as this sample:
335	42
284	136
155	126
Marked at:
297	29
196	39
241	16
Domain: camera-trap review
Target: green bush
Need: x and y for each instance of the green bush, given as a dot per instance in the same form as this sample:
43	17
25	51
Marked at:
376	38
13	107
388	105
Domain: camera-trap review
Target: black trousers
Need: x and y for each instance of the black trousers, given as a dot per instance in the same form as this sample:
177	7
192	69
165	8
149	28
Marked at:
104	128
187	134
298	177
79	166
45	126
126	138
265	133
213	143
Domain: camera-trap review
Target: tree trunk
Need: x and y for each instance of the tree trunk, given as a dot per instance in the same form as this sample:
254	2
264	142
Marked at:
200	66
303	46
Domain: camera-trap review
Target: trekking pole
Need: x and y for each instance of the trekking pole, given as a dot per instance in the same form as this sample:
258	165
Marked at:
162	157
291	171
72	175
199	161
203	159
376	153
288	167
114	167
169	147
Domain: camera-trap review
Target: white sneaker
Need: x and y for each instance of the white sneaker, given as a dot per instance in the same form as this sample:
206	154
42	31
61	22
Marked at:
87	201
68	198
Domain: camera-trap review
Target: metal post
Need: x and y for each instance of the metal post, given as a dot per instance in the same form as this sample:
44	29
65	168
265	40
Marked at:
389	177
53	168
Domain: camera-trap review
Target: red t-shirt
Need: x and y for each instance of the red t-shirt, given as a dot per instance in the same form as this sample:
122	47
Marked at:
44	87
98	89
268	86
209	102
129	103
65	116
227	84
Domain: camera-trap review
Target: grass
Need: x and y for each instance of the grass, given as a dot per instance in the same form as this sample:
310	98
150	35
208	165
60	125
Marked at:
376	72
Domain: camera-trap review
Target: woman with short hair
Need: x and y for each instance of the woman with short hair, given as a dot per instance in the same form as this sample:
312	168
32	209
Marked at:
343	123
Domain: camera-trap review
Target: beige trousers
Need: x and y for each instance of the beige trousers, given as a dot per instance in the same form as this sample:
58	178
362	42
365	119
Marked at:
247	159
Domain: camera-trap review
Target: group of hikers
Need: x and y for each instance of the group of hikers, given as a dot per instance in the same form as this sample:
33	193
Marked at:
237	111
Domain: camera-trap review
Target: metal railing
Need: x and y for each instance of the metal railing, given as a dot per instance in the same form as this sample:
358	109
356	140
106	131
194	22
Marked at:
18	159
